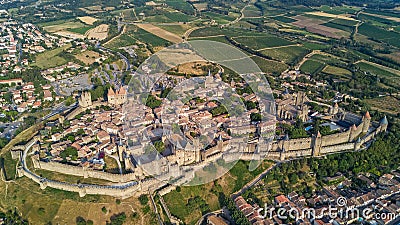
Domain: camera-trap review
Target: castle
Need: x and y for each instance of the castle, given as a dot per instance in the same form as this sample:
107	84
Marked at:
85	100
117	97
186	157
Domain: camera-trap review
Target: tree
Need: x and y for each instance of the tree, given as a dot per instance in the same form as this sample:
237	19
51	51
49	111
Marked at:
159	145
143	199
256	117
117	219
153	102
69	152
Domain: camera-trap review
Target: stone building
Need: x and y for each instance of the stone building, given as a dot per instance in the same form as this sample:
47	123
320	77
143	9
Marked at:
117	97
292	106
85	100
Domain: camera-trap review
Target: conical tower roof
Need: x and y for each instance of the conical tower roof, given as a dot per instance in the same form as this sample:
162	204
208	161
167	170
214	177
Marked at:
110	92
367	116
384	121
286	137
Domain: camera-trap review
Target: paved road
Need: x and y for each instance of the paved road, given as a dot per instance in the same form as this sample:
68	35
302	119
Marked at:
9	129
57	109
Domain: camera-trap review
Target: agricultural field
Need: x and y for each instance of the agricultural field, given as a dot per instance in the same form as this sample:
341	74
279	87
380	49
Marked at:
269	66
80	30
393	56
230	32
160	32
200	6
284	19
181	5
219	18
334	70
375	33
383	72
259	43
88	57
252	11
178	29
50	58
63	25
314	46
87	20
170	17
121	41
329	15
100	32
387	104
286	54
149	38
346	25
338	10
325	58
315	24
214	38
311	66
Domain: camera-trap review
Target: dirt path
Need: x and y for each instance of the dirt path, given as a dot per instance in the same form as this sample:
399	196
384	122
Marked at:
284	46
112	39
240	17
188	32
297	67
388	69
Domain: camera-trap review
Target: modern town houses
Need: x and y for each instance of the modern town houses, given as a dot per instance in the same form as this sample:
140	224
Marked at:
18	40
383	201
25	97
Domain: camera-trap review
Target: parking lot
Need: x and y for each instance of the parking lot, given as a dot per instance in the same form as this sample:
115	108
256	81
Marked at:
77	83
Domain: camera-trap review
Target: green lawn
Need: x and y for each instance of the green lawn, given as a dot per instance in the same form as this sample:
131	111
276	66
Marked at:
49	59
9	166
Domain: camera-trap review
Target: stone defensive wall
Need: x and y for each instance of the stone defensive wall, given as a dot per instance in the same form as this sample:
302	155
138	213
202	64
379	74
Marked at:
122	191
82	171
81	109
337	148
127	185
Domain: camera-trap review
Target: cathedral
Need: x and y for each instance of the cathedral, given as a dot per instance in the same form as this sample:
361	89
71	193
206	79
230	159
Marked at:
292	106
